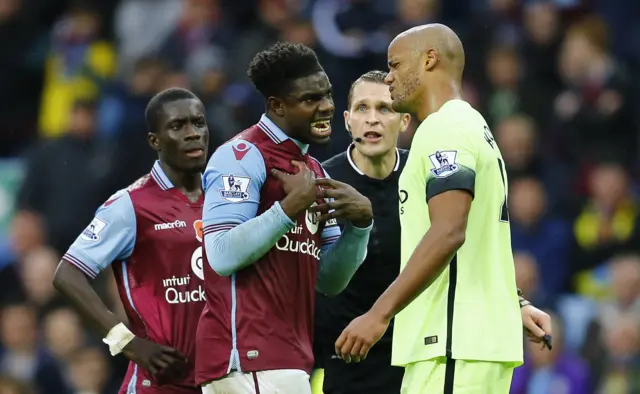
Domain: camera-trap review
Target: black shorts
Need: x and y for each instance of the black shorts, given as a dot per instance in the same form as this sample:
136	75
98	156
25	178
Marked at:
373	375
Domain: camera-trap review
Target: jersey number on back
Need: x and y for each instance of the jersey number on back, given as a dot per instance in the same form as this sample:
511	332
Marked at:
504	209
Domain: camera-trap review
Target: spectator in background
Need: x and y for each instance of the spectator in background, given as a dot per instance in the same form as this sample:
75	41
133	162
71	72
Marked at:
141	28
69	174
88	372
594	113
36	271
410	13
609	217
604	347
202	24
555	371
528	277
519	142
27	233
540	48
122	103
21	356
121	119
206	70
502	96
63	333
20	74
546	238
621	373
14	386
79	63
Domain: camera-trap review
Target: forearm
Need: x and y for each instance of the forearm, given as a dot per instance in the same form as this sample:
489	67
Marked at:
429	259
231	250
340	260
75	286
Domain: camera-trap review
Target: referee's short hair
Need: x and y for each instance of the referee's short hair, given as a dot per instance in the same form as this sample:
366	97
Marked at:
158	101
375	76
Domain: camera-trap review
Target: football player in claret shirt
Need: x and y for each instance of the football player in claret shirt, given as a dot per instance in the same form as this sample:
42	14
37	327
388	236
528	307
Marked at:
151	234
271	236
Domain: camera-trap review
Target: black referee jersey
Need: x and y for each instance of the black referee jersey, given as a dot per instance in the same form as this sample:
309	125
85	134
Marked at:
379	269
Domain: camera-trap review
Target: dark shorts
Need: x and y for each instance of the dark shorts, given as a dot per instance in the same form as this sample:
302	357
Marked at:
373	375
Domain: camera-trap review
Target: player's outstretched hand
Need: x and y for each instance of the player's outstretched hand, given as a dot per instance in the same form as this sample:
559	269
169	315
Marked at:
360	336
537	325
162	361
347	203
299	188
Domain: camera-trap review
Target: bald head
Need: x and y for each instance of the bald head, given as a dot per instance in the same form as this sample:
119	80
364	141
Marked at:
434	37
425	69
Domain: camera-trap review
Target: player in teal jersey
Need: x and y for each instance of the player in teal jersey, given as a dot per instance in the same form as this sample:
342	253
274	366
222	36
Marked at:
458	327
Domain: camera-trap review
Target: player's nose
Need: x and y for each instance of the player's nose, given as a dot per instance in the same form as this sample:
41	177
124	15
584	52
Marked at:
326	107
388	79
192	133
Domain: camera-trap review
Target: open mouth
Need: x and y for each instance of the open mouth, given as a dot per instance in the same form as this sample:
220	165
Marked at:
372	136
321	127
195	153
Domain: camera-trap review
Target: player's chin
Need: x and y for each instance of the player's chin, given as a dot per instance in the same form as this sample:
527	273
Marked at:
400	105
193	165
320	138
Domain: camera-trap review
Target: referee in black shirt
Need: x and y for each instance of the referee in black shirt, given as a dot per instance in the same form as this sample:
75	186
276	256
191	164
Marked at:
372	165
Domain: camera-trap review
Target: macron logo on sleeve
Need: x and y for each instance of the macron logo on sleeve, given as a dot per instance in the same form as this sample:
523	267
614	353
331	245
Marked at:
240	150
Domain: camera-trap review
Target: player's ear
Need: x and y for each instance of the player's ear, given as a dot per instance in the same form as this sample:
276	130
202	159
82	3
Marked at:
346	121
153	141
431	59
275	105
404	122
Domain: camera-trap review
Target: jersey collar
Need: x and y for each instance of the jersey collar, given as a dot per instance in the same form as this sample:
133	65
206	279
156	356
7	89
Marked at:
355	167
277	135
160	177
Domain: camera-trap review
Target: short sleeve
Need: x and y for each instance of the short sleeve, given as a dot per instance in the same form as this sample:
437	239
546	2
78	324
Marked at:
109	237
232	182
449	159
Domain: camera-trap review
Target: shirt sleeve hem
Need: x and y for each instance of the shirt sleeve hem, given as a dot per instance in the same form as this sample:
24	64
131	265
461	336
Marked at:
79	264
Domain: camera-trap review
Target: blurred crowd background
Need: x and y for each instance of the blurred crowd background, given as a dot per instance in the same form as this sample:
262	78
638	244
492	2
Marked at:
557	80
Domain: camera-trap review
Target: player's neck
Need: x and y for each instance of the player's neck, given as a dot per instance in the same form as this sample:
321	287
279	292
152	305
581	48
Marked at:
188	183
441	92
375	167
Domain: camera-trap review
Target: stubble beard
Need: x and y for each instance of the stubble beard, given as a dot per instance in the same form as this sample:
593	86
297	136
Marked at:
403	103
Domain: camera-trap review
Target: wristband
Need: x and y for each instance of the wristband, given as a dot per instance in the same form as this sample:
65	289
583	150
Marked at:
520	293
523	302
117	338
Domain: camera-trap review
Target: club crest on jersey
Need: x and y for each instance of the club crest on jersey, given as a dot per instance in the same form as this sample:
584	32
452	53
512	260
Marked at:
235	188
444	163
311	220
198	227
93	230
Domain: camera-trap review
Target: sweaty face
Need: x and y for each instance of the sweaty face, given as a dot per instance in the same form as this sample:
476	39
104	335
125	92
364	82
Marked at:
372	119
183	135
403	79
308	109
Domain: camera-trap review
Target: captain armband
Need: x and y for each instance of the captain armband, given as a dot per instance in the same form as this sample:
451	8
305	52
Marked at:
117	338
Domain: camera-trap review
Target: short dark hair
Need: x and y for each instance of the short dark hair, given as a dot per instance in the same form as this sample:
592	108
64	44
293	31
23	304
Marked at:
273	70
375	76
159	100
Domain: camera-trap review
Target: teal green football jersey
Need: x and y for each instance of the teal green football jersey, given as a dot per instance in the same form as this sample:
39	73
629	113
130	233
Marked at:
471	311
